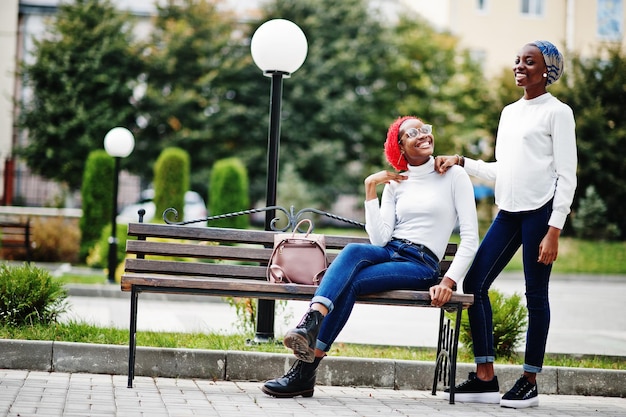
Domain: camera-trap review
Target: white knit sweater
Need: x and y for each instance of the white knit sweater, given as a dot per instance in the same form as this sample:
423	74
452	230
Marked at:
424	209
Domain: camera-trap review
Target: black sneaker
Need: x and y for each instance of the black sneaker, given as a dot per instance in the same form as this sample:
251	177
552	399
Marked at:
523	394
475	390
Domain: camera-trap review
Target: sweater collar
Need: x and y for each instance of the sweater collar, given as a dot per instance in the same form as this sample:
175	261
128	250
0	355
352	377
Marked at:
422	170
537	100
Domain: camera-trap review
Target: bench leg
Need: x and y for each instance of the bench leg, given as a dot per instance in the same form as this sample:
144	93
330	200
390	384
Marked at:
132	342
455	348
440	353
447	347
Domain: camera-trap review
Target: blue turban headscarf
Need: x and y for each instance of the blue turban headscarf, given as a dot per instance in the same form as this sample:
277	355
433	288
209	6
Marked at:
553	59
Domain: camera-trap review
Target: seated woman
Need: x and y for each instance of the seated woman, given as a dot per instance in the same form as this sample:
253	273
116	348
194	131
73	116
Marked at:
409	231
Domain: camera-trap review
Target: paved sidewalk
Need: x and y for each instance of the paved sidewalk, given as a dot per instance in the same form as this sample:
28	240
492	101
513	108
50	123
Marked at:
30	393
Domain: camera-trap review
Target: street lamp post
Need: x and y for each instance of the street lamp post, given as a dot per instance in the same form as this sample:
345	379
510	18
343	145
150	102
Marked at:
278	48
119	143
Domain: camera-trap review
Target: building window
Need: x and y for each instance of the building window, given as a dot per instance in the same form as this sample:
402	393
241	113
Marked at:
610	20
532	8
481	6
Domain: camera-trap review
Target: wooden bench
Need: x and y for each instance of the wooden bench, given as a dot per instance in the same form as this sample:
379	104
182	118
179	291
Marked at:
16	235
232	263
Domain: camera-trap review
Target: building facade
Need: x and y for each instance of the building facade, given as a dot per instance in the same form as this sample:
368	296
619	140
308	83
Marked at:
494	30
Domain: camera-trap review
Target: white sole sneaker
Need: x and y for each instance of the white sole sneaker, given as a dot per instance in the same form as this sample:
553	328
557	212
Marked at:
531	402
478	397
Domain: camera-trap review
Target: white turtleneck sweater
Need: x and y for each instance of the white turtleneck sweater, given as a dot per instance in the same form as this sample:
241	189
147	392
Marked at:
535	158
424	209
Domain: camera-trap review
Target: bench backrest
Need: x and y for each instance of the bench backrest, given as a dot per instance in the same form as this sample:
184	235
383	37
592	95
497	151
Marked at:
16	236
215	252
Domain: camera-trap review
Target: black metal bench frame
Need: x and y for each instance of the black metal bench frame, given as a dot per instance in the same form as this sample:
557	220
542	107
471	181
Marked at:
146	274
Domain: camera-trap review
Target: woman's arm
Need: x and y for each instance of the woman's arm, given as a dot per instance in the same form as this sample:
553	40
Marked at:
380	220
468	221
565	162
476	168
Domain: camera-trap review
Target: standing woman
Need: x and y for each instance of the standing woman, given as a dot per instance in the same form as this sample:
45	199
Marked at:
535	179
409	231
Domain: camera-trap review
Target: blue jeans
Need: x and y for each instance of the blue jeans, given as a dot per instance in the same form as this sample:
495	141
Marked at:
507	232
362	269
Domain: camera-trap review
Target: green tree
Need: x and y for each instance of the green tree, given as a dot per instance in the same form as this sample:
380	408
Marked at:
171	181
229	192
96	192
360	73
431	76
331	113
195	62
82	80
595	88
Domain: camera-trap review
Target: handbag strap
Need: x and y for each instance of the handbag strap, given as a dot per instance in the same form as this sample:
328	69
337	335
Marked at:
297	226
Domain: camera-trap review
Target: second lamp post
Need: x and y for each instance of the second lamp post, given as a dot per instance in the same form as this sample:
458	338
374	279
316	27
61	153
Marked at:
119	143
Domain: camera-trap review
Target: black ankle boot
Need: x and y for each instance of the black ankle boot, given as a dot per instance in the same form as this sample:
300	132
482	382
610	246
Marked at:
300	380
302	339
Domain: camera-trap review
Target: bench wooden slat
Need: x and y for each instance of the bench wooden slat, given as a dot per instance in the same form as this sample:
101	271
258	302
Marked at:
187	250
264	289
243	236
218	252
211	234
178	268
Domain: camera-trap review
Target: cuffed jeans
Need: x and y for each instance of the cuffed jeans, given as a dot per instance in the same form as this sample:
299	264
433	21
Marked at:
362	269
507	232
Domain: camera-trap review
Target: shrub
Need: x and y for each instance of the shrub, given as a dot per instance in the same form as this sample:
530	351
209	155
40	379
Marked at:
509	324
590	220
229	192
293	191
99	253
171	181
29	295
246	309
56	239
96	194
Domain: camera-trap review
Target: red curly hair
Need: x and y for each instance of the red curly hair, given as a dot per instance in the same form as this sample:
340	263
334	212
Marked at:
392	146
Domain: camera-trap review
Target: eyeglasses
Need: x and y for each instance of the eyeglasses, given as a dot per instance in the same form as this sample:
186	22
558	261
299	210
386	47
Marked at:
416	132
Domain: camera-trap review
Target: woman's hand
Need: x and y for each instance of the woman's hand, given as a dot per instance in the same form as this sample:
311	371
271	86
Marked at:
444	162
384	177
442	292
381	177
549	246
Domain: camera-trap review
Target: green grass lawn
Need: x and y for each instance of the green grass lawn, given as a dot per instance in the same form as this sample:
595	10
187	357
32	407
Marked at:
584	257
87	333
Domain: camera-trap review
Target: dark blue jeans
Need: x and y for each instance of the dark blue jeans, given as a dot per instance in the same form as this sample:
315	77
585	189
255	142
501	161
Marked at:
362	269
507	232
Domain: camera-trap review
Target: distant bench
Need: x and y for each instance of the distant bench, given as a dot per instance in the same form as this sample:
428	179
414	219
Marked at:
16	235
232	263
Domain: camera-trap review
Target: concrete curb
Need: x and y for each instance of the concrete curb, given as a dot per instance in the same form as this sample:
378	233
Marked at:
252	366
